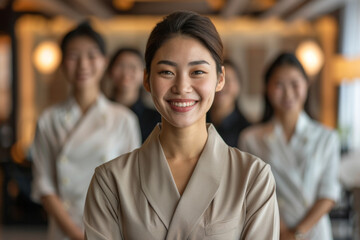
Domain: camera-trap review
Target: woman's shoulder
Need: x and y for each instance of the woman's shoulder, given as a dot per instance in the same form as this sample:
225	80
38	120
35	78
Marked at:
122	162
257	130
316	128
119	116
119	168
118	110
246	162
247	169
54	112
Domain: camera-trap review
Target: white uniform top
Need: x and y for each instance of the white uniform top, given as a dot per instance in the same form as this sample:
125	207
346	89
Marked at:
305	169
68	147
230	195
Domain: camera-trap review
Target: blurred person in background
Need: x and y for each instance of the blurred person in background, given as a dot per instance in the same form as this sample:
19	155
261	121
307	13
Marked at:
75	136
126	73
303	154
225	113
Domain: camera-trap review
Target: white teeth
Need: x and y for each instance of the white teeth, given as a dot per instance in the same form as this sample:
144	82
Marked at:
183	104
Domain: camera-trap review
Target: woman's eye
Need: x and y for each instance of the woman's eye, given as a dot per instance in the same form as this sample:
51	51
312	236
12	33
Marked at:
277	84
198	72
166	73
71	56
93	55
296	84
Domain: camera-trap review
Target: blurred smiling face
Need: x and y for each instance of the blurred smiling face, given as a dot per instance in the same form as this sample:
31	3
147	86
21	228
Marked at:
183	81
228	95
127	72
83	63
287	90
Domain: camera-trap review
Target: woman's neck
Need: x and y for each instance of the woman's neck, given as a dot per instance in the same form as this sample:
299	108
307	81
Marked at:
183	144
127	98
288	123
86	99
219	112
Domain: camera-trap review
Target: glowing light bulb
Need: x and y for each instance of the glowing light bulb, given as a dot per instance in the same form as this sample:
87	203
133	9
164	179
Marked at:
311	57
47	57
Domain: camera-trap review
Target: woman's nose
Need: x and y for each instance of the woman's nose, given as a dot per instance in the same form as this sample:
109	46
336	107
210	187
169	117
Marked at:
83	62
289	92
182	84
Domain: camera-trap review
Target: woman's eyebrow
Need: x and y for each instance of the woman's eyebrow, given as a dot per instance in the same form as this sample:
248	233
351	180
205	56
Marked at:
198	63
167	62
193	63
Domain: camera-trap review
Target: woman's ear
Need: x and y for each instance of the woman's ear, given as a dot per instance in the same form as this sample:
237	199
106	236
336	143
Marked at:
146	81
221	80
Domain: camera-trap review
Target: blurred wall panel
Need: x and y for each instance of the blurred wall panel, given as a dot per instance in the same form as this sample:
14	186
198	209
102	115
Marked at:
5	78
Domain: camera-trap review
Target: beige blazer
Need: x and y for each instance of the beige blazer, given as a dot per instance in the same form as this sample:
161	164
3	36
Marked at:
231	195
68	147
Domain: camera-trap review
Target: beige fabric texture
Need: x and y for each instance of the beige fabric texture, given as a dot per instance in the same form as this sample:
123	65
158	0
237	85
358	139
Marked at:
231	195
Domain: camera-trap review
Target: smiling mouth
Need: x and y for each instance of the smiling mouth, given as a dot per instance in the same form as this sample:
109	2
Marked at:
183	104
82	78
82	75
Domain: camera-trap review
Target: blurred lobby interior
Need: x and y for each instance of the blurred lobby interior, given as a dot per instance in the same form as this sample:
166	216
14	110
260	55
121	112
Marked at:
324	34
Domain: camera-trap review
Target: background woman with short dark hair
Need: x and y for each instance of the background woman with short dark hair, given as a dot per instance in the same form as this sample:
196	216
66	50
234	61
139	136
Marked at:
303	154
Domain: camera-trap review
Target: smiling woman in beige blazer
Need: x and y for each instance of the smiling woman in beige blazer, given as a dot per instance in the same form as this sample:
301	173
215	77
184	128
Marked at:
184	182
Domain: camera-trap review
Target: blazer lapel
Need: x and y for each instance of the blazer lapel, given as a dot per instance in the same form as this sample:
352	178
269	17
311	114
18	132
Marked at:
156	179
202	187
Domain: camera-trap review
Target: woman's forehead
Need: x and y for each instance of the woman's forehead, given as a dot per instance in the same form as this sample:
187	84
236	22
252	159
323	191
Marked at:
81	43
181	48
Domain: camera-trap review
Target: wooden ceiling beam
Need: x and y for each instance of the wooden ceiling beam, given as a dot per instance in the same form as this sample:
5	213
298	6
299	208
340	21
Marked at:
314	9
97	8
52	7
281	8
164	8
234	7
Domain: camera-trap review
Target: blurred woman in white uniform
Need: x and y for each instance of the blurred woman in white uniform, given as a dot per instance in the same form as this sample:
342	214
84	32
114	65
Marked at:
75	136
303	154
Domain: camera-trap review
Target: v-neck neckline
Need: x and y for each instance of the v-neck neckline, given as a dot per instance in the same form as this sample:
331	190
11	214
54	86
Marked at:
160	189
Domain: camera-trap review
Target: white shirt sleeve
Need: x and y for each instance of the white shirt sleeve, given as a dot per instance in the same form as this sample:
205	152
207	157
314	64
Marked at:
329	186
43	165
